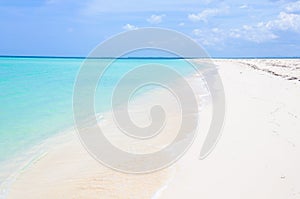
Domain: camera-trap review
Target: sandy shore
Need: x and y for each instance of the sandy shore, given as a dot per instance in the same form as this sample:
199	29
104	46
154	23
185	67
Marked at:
258	155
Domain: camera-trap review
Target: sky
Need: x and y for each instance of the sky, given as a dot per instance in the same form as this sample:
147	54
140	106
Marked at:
227	28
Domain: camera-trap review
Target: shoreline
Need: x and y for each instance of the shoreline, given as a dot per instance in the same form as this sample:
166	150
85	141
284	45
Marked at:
86	178
33	154
72	141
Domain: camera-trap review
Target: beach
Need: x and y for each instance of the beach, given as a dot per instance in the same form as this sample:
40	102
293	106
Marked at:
257	155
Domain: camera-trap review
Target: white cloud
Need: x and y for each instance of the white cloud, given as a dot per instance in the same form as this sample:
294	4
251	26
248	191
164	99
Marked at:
181	24
129	27
285	21
155	19
264	31
210	37
258	33
202	16
244	6
293	7
205	14
216	37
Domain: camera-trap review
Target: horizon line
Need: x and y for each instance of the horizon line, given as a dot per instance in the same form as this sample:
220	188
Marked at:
140	57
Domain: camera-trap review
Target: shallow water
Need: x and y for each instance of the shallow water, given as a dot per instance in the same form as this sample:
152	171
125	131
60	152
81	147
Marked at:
36	99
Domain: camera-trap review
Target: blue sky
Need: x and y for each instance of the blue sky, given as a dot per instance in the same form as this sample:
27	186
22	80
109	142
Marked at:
224	28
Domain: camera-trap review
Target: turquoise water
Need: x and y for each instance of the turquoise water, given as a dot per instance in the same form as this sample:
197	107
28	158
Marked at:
36	97
35	100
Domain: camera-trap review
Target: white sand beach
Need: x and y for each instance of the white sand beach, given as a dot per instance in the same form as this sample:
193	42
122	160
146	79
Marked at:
257	156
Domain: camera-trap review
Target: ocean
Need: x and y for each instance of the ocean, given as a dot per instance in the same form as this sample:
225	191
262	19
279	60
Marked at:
36	100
